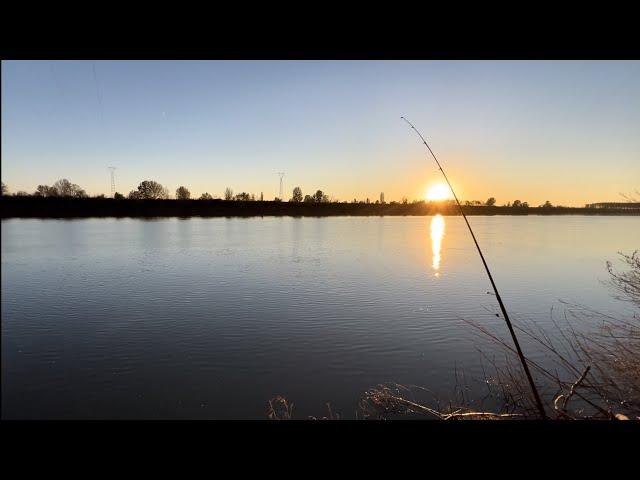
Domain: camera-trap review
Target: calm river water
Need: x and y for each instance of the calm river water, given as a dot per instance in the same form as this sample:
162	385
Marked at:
210	318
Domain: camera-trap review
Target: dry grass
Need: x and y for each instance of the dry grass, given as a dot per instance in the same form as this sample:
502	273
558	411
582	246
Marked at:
385	401
595	369
280	409
588	373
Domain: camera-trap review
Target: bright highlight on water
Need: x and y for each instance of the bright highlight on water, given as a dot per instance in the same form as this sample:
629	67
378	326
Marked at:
437	232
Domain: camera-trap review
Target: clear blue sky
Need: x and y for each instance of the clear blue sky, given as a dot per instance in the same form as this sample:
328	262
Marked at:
568	132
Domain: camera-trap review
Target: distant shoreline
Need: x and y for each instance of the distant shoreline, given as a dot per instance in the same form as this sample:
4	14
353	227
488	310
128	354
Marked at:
38	207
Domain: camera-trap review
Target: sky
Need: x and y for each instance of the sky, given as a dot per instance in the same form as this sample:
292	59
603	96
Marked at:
563	131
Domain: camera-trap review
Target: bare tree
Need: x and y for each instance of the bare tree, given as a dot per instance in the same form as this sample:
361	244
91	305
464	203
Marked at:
320	197
627	284
45	191
297	195
228	194
183	194
631	197
151	190
65	188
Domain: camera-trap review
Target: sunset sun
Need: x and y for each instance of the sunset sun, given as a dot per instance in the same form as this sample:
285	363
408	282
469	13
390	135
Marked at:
439	191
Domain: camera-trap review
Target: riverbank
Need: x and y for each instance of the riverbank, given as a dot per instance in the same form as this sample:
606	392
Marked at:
40	207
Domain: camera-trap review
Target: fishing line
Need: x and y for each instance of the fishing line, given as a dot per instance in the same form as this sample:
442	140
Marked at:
505	315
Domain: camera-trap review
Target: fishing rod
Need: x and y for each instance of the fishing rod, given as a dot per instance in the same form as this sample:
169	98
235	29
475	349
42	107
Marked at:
495	289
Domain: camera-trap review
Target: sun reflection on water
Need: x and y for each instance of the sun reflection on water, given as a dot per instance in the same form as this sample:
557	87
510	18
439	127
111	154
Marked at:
437	232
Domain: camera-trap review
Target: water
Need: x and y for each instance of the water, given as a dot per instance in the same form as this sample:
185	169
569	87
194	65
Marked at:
210	318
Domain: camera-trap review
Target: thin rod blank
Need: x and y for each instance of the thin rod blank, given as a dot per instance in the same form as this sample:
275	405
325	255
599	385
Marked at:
495	289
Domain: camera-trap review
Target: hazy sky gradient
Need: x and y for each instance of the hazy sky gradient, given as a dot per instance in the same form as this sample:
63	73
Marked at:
568	132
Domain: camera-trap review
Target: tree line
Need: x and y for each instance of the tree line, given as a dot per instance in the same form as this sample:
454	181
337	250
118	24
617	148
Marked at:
491	201
152	190
62	188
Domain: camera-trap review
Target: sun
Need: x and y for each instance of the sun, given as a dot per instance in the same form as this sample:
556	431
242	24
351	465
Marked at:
439	191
